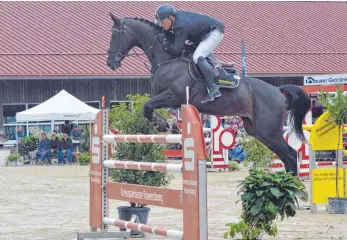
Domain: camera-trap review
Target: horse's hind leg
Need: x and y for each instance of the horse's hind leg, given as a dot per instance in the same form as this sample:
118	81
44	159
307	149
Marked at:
275	143
287	154
271	134
248	125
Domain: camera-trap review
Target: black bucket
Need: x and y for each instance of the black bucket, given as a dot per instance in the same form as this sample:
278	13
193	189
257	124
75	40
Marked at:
125	212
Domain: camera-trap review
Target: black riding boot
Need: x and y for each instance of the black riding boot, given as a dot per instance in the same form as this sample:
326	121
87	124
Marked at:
212	90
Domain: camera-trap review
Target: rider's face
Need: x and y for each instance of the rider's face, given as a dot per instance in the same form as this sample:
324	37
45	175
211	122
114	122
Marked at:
166	24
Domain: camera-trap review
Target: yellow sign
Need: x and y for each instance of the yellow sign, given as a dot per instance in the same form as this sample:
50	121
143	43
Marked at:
324	184
324	134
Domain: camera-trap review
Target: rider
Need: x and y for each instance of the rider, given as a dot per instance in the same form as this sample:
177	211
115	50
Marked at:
204	30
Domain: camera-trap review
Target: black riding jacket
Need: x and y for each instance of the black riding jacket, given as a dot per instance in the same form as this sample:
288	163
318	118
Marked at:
191	26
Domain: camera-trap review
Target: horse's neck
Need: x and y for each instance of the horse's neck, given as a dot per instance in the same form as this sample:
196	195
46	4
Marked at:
156	55
159	55
151	46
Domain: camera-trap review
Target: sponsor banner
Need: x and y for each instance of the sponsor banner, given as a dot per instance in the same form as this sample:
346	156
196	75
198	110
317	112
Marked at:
325	79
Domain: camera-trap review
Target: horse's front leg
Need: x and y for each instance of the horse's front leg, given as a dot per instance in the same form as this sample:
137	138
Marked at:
167	99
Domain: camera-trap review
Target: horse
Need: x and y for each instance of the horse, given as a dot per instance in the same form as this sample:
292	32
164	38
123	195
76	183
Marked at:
262	107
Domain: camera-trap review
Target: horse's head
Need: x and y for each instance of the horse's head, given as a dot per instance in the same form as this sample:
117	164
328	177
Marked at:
122	40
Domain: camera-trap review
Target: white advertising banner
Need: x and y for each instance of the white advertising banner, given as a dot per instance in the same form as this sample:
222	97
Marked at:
330	79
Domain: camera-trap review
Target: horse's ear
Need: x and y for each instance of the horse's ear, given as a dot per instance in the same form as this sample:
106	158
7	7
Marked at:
116	20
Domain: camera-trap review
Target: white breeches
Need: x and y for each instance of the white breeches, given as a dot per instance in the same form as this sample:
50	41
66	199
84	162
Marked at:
208	45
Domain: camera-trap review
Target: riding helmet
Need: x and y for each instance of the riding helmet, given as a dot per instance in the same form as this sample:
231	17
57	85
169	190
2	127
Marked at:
165	11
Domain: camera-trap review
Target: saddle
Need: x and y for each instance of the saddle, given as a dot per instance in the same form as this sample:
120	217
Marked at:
225	73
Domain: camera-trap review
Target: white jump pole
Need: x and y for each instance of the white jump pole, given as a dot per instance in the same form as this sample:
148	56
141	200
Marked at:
187	94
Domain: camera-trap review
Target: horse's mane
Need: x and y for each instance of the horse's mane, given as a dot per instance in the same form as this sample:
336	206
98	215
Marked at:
152	24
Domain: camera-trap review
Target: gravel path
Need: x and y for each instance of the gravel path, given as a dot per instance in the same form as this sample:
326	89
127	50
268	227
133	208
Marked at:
51	202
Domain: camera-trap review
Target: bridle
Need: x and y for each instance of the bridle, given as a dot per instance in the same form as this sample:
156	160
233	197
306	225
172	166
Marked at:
119	55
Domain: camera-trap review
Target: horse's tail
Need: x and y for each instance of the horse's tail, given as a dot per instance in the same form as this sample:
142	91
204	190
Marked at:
298	104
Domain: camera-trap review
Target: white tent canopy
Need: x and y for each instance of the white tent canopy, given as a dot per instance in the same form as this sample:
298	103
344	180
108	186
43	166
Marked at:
62	106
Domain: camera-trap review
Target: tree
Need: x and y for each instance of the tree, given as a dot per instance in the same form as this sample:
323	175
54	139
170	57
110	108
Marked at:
336	104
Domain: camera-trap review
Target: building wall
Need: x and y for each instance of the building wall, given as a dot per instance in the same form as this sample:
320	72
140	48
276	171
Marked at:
280	81
38	91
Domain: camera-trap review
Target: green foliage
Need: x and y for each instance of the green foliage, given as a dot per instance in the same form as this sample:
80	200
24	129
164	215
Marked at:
243	229
27	144
337	108
336	105
131	121
265	197
13	157
84	159
234	166
258	156
85	147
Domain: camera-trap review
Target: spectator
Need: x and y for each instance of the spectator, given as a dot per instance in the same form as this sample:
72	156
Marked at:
44	149
206	123
75	132
237	153
235	127
67	127
20	133
178	125
3	137
227	121
55	145
66	148
316	111
57	130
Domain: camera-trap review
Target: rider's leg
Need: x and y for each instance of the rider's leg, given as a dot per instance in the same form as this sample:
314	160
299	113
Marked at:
206	47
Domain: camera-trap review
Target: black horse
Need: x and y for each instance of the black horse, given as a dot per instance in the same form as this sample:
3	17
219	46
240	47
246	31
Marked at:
262	106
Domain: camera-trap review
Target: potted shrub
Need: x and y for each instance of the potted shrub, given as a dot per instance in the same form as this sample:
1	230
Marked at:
258	156
265	197
27	145
84	159
336	105
130	121
14	159
233	166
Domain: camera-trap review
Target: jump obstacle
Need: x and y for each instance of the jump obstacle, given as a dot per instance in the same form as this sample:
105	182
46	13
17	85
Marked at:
221	140
192	199
303	151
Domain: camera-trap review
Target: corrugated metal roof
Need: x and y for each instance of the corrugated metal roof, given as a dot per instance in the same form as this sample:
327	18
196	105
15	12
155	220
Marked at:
72	38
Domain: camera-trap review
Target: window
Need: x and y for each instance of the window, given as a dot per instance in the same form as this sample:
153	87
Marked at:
94	104
10	110
9	114
32	105
115	103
